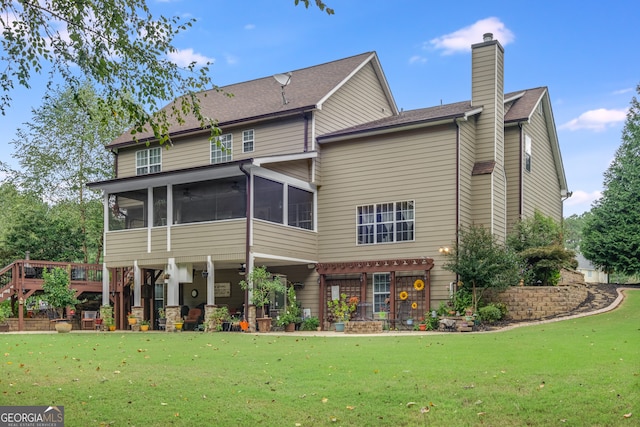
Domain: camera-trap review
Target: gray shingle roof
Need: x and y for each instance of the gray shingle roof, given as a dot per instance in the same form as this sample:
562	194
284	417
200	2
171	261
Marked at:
521	109
262	97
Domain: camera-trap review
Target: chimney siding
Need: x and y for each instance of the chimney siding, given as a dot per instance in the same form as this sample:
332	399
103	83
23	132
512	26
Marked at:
487	91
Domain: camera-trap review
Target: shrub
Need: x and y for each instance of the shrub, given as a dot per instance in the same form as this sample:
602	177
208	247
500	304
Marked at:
490	313
310	324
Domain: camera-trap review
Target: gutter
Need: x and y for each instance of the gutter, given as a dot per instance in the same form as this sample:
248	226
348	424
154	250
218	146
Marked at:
186	132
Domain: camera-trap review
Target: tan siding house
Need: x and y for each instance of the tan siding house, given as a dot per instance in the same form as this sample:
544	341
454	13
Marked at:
328	186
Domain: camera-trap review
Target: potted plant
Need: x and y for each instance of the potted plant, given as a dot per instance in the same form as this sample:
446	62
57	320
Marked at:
292	314
218	317
144	325
162	318
109	324
132	319
288	321
310	324
59	295
262	285
341	310
179	323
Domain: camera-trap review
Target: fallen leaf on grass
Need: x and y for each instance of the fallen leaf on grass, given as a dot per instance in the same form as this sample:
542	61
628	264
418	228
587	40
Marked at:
424	409
627	415
325	400
410	404
351	408
481	413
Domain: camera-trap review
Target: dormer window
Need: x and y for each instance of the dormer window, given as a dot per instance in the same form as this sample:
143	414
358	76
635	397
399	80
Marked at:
221	149
148	161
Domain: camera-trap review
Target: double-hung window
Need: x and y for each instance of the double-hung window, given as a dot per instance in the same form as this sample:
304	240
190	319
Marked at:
148	161
247	141
385	223
221	149
381	291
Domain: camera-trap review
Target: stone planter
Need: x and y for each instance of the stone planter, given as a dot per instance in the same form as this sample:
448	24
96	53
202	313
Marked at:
291	327
63	326
339	326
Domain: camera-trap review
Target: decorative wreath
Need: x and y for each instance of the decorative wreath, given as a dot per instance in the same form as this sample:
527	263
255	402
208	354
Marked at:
404	295
414	305
418	285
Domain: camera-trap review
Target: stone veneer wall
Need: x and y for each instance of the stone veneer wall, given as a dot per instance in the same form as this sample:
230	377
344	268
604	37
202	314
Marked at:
173	315
538	302
363	327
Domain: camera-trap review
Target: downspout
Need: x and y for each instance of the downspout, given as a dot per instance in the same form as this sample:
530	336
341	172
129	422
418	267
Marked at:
455	121
247	247
305	116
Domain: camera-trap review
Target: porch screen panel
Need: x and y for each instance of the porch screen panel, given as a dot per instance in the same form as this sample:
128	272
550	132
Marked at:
268	200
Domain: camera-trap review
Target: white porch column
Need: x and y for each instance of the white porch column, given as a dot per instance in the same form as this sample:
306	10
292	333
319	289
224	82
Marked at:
105	284
137	284
211	280
173	288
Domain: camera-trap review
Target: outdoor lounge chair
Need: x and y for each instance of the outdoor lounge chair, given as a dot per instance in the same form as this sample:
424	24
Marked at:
193	317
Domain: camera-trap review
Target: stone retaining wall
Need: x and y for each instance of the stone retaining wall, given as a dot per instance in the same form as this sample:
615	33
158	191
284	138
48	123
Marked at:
363	327
538	302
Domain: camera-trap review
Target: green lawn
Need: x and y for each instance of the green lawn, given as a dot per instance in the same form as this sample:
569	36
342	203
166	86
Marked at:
581	372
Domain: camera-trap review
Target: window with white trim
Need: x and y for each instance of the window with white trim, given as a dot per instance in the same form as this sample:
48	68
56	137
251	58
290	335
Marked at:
247	141
148	161
527	153
222	148
381	291
385	223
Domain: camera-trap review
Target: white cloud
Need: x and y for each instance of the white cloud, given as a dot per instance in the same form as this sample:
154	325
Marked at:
417	59
184	57
580	202
249	27
596	120
462	39
623	91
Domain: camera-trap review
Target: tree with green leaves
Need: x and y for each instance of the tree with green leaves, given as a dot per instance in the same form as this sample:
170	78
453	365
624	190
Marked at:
46	232
482	263
572	230
56	289
611	235
59	172
116	45
538	240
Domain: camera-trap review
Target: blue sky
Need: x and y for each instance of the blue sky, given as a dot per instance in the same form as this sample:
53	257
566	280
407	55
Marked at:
585	52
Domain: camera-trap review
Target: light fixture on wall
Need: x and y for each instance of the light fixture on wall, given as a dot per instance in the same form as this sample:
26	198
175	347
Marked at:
243	269
205	274
444	250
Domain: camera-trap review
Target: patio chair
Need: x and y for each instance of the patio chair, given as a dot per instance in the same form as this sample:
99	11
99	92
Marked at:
193	318
89	319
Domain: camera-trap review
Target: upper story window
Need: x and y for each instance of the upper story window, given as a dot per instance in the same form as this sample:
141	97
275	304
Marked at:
248	141
148	161
385	223
527	153
221	149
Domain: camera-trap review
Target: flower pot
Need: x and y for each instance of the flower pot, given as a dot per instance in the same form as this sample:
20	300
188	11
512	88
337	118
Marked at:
112	328
264	324
423	327
409	322
178	326
132	320
339	326
63	327
144	328
291	327
244	325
